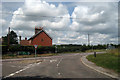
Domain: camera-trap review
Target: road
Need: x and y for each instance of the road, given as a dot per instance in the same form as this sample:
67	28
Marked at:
60	66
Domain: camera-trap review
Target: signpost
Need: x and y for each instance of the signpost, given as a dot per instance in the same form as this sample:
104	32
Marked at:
35	46
94	54
55	49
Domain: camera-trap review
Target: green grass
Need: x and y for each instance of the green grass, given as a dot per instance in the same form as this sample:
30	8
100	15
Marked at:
114	51
70	52
96	50
106	60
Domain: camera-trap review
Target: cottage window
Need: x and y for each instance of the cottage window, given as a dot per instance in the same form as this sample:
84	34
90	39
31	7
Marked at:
42	40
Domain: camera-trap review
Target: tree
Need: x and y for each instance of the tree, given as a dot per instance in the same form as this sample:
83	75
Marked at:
12	37
4	42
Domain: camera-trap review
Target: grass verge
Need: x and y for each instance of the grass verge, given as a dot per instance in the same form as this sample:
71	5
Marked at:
13	56
96	50
106	60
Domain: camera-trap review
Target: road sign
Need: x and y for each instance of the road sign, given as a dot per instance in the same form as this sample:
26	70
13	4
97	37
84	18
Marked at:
35	46
35	49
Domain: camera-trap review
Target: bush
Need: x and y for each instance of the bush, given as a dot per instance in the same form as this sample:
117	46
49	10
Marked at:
31	49
61	49
14	48
27	49
50	49
4	49
45	49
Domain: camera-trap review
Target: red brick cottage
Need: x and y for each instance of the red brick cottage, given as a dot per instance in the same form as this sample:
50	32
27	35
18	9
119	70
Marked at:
39	38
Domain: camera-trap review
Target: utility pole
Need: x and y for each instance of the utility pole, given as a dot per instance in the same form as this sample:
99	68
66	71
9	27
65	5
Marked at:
8	38
88	39
55	48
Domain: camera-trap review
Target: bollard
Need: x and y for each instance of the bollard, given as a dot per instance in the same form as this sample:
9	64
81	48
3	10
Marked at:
94	54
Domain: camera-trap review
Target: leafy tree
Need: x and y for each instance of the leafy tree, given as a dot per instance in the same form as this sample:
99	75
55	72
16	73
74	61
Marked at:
4	42
12	38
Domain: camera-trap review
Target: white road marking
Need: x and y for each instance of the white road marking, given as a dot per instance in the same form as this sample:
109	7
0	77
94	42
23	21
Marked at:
26	67
59	62
11	74
59	74
53	60
43	59
76	54
39	63
13	66
58	65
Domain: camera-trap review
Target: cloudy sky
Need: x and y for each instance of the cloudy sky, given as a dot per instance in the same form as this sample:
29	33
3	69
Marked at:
65	22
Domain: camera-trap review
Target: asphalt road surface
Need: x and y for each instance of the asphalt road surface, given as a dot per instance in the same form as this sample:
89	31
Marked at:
60	66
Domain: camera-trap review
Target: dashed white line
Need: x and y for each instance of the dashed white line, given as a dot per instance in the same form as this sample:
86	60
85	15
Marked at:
13	66
11	74
59	74
30	65
76	54
59	62
53	60
39	63
58	65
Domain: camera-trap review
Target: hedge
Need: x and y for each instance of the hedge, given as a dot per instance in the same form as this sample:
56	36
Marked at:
49	49
31	49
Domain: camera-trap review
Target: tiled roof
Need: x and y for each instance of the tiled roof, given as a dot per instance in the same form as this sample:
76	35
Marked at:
24	42
39	33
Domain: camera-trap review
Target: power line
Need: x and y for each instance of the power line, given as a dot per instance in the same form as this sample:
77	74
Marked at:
43	16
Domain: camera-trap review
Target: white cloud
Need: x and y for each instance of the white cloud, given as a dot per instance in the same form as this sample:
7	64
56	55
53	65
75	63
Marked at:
98	19
40	14
4	25
95	19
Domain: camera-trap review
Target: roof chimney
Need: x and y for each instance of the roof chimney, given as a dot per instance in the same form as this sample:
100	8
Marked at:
25	38
20	38
38	29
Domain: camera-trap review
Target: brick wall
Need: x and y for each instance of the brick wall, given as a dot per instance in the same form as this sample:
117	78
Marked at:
42	39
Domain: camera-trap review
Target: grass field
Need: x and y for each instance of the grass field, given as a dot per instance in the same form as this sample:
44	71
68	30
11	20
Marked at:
96	50
106	60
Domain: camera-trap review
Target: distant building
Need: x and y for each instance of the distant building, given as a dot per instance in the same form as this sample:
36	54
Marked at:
111	47
39	38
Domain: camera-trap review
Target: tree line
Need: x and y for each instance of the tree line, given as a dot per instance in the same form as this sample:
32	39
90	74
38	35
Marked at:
13	38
